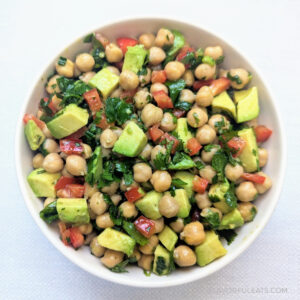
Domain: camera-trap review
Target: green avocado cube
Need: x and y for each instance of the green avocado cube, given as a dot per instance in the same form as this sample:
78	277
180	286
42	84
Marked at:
210	249
132	141
217	195
232	220
183	202
134	58
162	259
116	240
223	103
73	210
68	121
168	238
105	81
148	205
182	131
188	178
43	183
35	136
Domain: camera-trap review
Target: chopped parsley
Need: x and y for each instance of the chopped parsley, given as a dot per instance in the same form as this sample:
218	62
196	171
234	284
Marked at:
220	59
120	268
160	265
62	61
49	213
234	78
219	162
178	183
228	234
161	160
208	60
117	110
230	198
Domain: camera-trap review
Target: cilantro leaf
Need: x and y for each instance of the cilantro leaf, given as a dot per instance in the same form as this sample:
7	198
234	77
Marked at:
178	183
234	78
219	60
219	162
161	160
62	61
49	213
120	267
175	87
228	234
230	198
117	110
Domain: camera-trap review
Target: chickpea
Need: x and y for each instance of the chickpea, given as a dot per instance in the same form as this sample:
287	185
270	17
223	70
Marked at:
159	225
233	173
51	146
86	77
89	190
113	70
77	72
96	249
65	173
56	102
141	98
246	191
87	151
164	37
174	70
110	189
187	95
104	221
52	86
115	199
67	70
117	130
188	77
204	96
112	258
214	52
167	123
156	150
48	201
85	62
184	256
243	76
128	209
136	254
193	233
168	206
89	237
147	39
150	246
252	123
93	216
142	172
145	262
106	152
197	117
76	165
161	181
205	135
102	39
124	187
113	53
86	228
262	156
155	87
108	138
177	225
205	71
145	79
129	80
217	119
247	210
262	188
146	153
53	163
151	115
37	161
47	132
98	204
202	200
156	56
208	173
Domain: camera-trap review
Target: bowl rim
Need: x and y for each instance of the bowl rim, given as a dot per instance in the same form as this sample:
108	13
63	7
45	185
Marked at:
113	277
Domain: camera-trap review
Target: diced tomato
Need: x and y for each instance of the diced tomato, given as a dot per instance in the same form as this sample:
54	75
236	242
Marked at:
134	194
193	146
178	113
127	96
71	146
200	83
125	42
37	121
219	85
77	134
119	65
75	190
65	237
50	105
199	184
145	226
183	53
155	133
254	178
76	237
162	99
159	76
93	100
237	144
262	133
63	181
103	122
170	138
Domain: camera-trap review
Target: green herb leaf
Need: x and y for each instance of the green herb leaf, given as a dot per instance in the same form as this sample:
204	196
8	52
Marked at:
228	234
161	265
161	160
199	165
220	59
219	162
175	87
208	60
62	61
178	183
212	218
230	198
138	237
49	213
234	78
120	268
117	110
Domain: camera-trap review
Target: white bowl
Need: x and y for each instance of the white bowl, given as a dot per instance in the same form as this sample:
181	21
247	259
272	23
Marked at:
269	116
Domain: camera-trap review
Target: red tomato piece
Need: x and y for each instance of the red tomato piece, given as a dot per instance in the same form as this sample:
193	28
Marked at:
78	134
155	133
237	144
63	181
183	53
200	83
93	100
162	99
170	138
178	113
254	178
64	233
262	133
125	42
50	105
62	226
145	226
199	184
103	122
75	190
127	96
134	194
159	76
193	146
71	146
219	85
37	121
76	237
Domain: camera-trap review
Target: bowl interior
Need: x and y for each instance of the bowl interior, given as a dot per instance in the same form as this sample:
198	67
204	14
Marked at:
269	116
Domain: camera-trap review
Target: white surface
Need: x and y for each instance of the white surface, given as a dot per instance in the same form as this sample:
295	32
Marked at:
30	267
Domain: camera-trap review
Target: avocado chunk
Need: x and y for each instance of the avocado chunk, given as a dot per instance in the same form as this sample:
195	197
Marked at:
43	183
94	167
68	120
116	240
35	136
182	131
162	259
249	155
232	220
181	161
210	249
105	81
134	58
188	178
247	104
216	195
148	205
132	141
183	201
168	238
223	103
73	210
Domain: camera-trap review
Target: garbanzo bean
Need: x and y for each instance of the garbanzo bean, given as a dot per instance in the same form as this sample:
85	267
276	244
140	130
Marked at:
86	228
262	188
242	78
247	210
188	77
146	153
187	95
53	163
156	87
124	187
76	165
128	210
218	119
174	70
52	86
111	188
97	204
85	62
37	161
156	56
145	262
51	146
161	181
47	132
116	199
147	39
104	221
167	123
168	206
233	173
205	135
177	225
193	233
129	80
112	258
214	52
202	200
142	172
108	138
142	98
150	246
156	150
159	225
207	156
246	191
205	72
151	115
197	117
86	77
66	70
184	256
113	53
208	173
204	96
87	151
164	37
89	190
262	156
96	249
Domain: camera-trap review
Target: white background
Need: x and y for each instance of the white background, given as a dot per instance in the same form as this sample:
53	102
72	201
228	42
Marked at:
31	34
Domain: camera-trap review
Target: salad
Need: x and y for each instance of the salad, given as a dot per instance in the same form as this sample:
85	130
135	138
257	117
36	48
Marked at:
148	152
